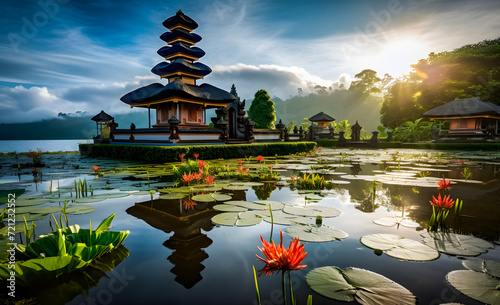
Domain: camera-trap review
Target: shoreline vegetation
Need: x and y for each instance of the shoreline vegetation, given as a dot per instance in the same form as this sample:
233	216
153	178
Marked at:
13	153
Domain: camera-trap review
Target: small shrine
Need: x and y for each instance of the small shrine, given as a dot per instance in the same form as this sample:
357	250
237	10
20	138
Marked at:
105	124
322	119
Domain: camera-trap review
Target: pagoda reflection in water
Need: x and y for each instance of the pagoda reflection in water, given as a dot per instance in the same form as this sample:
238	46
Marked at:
188	240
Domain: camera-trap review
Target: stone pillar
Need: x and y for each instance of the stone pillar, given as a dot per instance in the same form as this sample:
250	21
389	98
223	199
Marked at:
281	127
249	125
301	133
374	139
332	132
222	124
341	138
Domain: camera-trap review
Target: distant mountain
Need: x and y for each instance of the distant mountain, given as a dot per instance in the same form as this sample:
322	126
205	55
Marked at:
67	127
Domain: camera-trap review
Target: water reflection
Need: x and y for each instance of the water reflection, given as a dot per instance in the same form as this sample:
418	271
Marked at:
188	241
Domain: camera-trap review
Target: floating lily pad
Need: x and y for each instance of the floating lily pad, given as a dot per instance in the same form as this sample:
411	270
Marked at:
238	219
487	266
247	204
316	234
312	211
229	208
173	196
19	228
30	202
89	199
366	287
456	244
140	193
391	221
248	183
237	188
29	217
476	285
203	198
275	205
45	210
279	217
399	247
78	210
221	197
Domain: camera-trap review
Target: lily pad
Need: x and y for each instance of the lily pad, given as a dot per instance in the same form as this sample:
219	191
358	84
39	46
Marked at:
229	208
19	228
89	199
29	217
316	234
203	198
476	285
173	196
399	247
221	197
312	211
366	287
487	266
237	188
45	210
30	202
275	205
456	244
238	219
391	221
78	210
247	204
281	218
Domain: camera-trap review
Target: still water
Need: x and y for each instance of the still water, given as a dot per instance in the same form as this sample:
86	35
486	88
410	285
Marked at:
21	146
176	255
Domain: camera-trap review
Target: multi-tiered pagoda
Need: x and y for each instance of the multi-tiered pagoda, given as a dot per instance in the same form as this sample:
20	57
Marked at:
181	97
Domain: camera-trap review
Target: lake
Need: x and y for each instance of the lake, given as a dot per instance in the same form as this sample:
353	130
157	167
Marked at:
21	146
177	254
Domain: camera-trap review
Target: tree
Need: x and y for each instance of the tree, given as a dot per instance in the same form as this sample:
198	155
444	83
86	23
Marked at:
262	111
366	82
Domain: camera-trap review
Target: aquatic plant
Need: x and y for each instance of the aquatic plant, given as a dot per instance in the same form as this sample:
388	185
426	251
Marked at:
196	156
64	251
36	158
95	168
444	185
181	156
209	179
440	208
311	182
466	172
260	158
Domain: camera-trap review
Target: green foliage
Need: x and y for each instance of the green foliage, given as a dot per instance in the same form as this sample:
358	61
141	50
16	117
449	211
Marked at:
311	182
262	111
366	82
413	131
188	167
343	126
67	250
163	154
469	71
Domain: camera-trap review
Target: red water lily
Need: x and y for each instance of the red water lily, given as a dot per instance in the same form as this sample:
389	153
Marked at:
187	177
240	161
196	155
181	156
442	202
271	165
319	148
198	176
209	179
95	168
241	169
201	164
444	185
280	259
260	158
33	155
189	204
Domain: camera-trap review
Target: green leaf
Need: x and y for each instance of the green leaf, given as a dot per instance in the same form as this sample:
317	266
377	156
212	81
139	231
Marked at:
313	233
78	210
275	205
279	217
487	266
173	196
313	211
399	247
476	285
228	208
221	197
105	224
238	219
456	244
247	204
391	221
366	287
203	198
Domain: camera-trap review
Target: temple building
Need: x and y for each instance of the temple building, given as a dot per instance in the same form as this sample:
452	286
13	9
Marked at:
181	97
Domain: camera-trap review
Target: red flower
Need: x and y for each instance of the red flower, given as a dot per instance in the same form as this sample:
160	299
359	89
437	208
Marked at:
209	179
271	165
446	202
241	169
196	155
201	164
186	178
34	171
260	158
95	168
444	185
181	156
240	161
460	161
198	176
189	204
319	148
280	259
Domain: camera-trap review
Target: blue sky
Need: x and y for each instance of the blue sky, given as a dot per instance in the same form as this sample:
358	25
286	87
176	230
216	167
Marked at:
67	56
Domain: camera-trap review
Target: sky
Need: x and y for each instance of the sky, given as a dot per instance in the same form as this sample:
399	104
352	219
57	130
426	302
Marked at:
68	55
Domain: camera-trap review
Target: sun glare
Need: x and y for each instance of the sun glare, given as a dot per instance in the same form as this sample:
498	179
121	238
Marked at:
396	57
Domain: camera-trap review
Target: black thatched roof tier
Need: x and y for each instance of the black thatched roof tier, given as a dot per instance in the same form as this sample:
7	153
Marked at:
180	50
180	20
179	65
180	35
464	108
321	117
157	92
102	117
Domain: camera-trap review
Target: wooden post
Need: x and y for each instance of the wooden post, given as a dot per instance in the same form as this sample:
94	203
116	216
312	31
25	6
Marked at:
149	117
